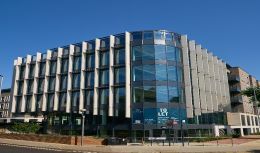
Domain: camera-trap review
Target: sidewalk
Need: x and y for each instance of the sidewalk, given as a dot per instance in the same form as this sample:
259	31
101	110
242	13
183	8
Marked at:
252	146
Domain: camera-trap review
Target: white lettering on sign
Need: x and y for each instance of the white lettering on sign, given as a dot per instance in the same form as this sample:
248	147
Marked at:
163	112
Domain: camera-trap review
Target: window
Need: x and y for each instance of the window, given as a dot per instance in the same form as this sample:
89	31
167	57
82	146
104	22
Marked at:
76	81
149	94
137	73
64	65
159	35
20	88
42	69
178	54
161	74
104	77
181	95
32	71
50	101
22	73
148	35
138	94
77	63
177	40
120	40
90	61
160	52
65	51
89	79
170	53
149	72
77	49
104	43
148	52
63	100
179	72
53	67
41	85
172	73
173	94
120	101
63	85
89	97
28	103
104	96
137	36
120	75
104	59
52	84
162	94
119	56
137	53
39	103
75	100
168	37
30	87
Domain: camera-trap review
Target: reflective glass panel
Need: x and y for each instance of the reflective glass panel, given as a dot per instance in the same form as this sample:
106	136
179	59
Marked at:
148	35
90	79
104	97
63	99
180	76
42	69
168	36
90	61
64	65
148	72
137	73
89	97
119	56
77	63
149	94
32	70
63	85
178	54
162	94
159	35
119	75
76	81
172	73
138	94
160	52
173	94
170	53
53	67
104	77
52	84
148	52
104	58
137	35
161	74
75	99
137	53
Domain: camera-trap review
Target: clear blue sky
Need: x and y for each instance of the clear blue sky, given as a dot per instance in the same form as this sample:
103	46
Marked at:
228	28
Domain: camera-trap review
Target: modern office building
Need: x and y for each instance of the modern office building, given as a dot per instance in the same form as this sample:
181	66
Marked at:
131	84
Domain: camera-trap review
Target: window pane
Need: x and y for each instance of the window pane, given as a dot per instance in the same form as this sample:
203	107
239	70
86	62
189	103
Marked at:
148	35
63	82
119	75
137	53
160	52
137	35
75	100
77	63
172	73
162	94
63	101
42	69
159	35
161	74
120	56
50	101
104	58
76	81
32	70
148	52
170	53
178	54
137	73
168	36
39	103
51	84
104	77
148	72
149	94
120	101
138	94
89	79
179	72
64	65
53	67
104	97
173	94
89	98
41	85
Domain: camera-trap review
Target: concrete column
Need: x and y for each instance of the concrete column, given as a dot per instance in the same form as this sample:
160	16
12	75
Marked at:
82	75
194	78
128	75
46	81
203	105
96	81
57	80
17	64
36	81
111	76
25	84
187	78
212	83
71	52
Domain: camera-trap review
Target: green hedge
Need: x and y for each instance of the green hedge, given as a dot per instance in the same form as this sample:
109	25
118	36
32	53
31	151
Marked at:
25	127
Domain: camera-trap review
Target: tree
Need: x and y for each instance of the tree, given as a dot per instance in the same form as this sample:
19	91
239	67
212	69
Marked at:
249	92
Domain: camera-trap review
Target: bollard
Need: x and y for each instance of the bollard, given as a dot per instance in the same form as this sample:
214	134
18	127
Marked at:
232	141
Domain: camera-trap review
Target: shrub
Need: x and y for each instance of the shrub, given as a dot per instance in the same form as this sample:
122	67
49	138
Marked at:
25	127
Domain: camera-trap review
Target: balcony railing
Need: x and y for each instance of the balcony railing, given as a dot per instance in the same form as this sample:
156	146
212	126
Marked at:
233	78
235	89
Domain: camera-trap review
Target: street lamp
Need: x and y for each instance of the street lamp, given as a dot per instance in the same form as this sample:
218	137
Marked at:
182	135
82	111
1	82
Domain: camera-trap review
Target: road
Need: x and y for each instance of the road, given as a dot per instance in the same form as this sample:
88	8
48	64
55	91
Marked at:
4	148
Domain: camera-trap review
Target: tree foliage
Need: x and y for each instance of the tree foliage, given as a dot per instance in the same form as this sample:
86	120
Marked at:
25	127
249	92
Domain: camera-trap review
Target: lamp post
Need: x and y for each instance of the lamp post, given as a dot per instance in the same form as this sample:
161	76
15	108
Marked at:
82	124
182	136
1	82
